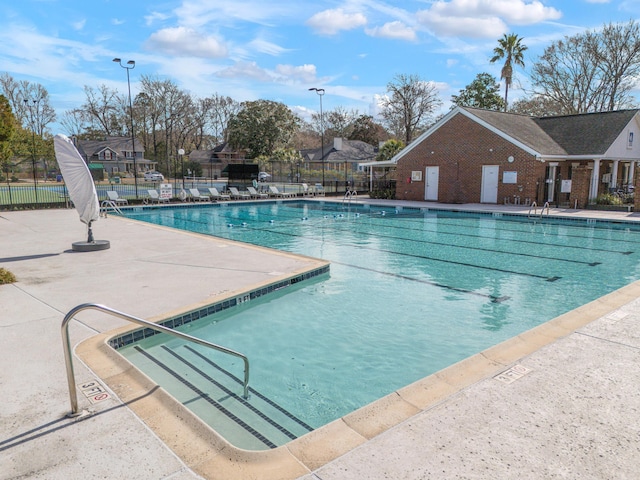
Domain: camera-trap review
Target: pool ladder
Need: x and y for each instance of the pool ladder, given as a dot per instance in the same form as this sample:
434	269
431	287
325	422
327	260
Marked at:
349	195
68	356
107	205
534	207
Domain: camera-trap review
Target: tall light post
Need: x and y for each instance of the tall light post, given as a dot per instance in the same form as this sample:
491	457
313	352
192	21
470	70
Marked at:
129	66
181	153
34	103
320	92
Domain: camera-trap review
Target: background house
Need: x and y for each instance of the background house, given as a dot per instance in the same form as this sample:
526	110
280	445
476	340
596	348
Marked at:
114	155
343	156
214	162
482	156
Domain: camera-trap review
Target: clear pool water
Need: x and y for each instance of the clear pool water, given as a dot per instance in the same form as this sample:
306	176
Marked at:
410	292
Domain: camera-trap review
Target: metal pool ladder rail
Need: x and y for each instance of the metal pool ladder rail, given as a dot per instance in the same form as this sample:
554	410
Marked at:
534	207
68	357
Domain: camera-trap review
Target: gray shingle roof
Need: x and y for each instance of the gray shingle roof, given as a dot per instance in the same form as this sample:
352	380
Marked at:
590	133
582	134
352	151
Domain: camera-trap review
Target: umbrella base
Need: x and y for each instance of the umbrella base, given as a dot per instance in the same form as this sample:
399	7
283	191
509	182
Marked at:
90	246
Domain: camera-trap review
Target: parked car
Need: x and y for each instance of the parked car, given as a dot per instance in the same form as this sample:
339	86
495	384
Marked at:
153	176
263	176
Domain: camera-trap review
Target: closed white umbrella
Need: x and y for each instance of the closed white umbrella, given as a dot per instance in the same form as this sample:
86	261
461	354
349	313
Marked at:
82	190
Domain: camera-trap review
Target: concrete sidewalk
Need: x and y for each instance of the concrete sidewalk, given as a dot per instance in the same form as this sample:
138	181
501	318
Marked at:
561	401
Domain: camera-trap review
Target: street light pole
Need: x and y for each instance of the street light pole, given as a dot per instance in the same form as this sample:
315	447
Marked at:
320	92
131	64
33	143
181	153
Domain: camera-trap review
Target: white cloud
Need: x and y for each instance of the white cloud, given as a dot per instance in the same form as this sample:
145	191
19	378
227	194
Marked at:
472	27
483	18
330	22
116	21
79	25
302	73
263	46
395	30
156	17
245	70
184	41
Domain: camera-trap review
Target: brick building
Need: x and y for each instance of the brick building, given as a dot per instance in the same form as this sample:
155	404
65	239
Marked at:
483	156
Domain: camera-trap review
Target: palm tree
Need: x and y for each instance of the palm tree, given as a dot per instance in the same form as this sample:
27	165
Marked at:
509	48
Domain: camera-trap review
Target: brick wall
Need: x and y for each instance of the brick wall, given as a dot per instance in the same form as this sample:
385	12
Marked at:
460	148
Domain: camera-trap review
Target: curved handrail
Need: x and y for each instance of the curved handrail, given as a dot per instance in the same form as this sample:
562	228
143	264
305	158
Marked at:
68	357
534	206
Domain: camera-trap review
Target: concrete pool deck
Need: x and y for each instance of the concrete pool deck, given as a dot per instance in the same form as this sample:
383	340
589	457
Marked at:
559	401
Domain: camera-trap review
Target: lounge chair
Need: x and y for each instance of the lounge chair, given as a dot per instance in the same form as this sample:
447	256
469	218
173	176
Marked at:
194	194
306	191
155	197
256	194
239	195
112	195
274	192
215	195
319	190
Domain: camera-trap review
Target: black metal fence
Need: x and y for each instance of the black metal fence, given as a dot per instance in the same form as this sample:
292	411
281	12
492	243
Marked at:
18	196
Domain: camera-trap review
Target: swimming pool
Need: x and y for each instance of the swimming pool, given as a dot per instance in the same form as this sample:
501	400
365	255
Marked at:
410	292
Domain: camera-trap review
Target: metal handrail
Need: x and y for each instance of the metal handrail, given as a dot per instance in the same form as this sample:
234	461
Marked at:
109	204
534	206
68	357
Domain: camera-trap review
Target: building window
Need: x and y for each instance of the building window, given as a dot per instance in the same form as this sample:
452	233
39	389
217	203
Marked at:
630	142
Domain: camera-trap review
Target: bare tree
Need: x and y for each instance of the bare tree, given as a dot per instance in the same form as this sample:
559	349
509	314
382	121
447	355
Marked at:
74	122
409	105
590	72
618	53
29	103
220	110
101	108
337	122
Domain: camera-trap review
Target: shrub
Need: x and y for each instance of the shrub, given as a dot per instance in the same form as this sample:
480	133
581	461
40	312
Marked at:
6	277
608	199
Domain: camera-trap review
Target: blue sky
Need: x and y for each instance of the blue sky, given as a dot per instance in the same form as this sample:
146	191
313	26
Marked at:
278	49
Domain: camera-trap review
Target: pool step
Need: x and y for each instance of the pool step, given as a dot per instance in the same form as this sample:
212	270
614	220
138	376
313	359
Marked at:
215	395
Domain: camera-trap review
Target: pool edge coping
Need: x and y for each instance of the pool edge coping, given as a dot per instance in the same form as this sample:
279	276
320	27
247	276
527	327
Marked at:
211	456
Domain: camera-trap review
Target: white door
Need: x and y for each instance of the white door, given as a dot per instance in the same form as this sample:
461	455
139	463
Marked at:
489	190
431	183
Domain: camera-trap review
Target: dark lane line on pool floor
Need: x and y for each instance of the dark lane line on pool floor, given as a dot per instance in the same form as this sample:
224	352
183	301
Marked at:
262	397
229	393
521	241
423	257
493	298
202	395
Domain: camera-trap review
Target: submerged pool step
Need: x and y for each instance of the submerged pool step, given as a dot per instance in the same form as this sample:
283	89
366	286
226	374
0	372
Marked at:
215	395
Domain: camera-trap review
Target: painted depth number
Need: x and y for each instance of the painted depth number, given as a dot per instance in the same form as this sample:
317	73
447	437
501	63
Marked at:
94	391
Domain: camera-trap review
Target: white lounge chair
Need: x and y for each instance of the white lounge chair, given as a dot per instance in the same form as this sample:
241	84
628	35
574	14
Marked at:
256	194
239	195
215	195
155	197
319	190
274	192
112	195
306	191
194	194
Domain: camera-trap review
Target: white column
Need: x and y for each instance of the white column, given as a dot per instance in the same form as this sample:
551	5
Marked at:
551	182
595	180
631	172
614	175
